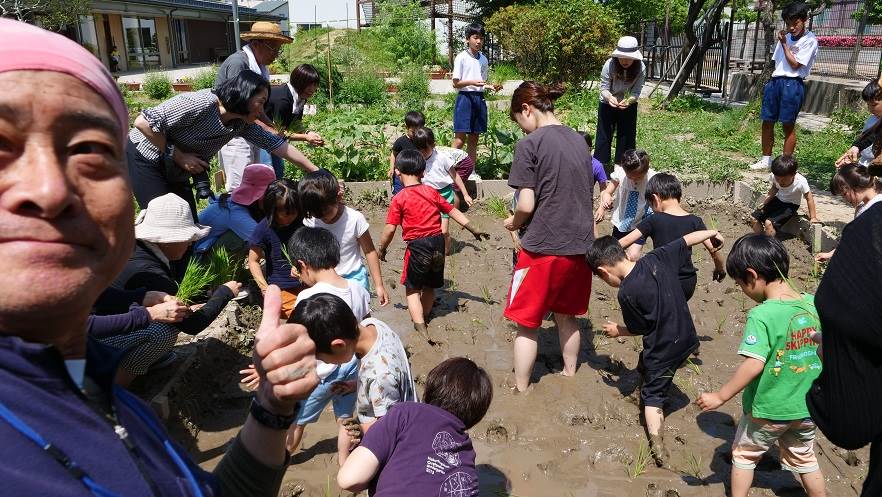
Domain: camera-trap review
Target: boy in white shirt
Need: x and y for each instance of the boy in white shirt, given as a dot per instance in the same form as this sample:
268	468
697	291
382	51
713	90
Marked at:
314	254
784	94
441	175
470	72
629	205
784	197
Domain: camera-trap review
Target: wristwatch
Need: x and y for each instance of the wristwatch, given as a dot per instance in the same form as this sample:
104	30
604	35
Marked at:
271	420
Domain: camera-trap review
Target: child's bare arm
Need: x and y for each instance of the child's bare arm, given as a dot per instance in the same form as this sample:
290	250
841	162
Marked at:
746	372
696	237
373	264
523	210
516	240
810	202
606	197
717	257
773	190
630	238
255	254
391	165
461	218
386	239
359	469
461	185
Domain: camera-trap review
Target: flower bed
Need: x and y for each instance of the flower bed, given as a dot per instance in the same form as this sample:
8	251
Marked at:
849	41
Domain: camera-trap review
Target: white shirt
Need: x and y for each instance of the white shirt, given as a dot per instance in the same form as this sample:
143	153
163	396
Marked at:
627	189
351	225
466	67
863	207
805	50
437	173
791	194
358	299
253	65
355	296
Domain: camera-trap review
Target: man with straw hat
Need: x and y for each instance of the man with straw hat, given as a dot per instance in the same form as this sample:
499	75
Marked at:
264	41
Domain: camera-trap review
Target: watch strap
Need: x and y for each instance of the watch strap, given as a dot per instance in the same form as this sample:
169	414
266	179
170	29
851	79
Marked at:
271	420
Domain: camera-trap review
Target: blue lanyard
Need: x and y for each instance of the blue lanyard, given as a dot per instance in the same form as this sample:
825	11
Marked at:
76	471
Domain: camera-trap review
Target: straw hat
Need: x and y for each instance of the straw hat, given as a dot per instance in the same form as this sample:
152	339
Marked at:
167	219
255	179
628	48
263	30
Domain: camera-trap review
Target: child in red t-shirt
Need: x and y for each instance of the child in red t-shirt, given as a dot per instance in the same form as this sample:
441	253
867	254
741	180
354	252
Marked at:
417	208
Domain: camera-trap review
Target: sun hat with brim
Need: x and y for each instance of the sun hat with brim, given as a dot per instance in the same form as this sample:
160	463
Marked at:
628	48
263	30
167	219
255	179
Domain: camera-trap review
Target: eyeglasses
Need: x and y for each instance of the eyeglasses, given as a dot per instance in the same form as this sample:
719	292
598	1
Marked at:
273	49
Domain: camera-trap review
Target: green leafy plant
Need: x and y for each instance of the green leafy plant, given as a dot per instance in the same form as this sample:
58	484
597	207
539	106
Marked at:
504	71
363	88
204	79
157	85
413	89
196	278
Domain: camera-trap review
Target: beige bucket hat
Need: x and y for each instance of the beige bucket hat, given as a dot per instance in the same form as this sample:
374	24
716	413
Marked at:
167	219
264	30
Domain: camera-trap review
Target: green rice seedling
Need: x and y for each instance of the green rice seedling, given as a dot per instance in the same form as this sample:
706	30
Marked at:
641	461
721	323
485	293
497	206
686	386
693	466
196	277
693	367
223	266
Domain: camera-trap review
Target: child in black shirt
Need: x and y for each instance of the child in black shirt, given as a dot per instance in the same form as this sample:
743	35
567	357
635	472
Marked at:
670	222
654	307
412	121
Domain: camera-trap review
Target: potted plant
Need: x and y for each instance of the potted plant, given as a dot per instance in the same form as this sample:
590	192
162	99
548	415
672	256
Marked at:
183	84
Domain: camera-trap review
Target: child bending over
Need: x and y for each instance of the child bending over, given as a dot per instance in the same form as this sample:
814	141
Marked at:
323	208
417	209
629	206
778	368
395	457
788	187
669	222
654	307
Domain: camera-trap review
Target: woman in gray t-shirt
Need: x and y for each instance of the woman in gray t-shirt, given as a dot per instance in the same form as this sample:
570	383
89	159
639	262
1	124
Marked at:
621	82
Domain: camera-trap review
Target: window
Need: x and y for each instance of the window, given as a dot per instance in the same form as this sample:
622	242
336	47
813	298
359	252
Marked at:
87	35
142	44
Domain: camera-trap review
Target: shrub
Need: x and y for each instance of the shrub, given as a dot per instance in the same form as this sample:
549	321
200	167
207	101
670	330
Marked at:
557	40
413	90
361	88
157	85
204	79
404	34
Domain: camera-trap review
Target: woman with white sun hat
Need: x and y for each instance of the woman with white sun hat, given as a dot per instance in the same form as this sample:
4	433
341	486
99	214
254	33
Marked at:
621	82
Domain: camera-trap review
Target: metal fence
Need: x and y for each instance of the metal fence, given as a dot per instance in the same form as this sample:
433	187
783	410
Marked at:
848	48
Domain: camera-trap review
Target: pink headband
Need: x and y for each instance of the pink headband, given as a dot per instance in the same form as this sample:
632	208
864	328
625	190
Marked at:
25	47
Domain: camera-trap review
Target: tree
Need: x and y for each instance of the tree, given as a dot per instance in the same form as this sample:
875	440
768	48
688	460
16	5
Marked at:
483	9
50	14
557	40
696	46
632	12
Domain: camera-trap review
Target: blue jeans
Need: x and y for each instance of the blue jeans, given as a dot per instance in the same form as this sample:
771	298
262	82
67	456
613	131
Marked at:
344	405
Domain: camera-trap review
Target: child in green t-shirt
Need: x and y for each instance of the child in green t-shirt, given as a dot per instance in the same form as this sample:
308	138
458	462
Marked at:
780	364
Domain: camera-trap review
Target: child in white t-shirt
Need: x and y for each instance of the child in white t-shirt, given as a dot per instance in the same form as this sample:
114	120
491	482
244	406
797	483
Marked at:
314	254
787	190
629	205
441	175
321	208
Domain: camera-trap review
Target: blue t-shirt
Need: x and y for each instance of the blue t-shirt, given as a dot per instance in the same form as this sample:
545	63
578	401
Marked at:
269	240
233	217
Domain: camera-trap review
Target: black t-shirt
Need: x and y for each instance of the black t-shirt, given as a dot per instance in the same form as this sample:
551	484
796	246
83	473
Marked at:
402	143
653	305
555	163
664	228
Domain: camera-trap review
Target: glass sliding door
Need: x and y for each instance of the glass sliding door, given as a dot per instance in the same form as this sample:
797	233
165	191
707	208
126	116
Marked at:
142	43
88	35
150	42
182	41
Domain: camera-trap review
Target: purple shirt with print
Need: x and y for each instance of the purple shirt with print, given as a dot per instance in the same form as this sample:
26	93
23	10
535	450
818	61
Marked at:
599	173
422	450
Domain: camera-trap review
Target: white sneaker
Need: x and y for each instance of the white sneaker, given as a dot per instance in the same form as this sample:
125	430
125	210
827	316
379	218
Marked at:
761	165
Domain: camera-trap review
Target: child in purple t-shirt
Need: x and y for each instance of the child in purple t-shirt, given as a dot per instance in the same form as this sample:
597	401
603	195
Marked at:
423	449
600	177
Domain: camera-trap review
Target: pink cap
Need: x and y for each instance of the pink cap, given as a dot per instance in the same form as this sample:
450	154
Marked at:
255	179
25	47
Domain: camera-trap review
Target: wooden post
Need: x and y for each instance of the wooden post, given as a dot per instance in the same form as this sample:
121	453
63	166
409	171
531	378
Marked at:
434	34
358	15
330	75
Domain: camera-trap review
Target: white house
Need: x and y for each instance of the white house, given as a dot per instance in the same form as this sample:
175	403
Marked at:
330	13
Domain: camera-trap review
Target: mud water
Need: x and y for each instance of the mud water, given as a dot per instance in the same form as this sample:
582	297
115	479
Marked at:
579	436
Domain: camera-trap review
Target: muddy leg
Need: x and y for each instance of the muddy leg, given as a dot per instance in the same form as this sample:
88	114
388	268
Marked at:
526	347
415	305
570	341
343	443
445	230
769	228
427	301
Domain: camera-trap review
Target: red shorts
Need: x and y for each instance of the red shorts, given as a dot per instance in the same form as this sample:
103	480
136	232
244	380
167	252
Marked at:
543	283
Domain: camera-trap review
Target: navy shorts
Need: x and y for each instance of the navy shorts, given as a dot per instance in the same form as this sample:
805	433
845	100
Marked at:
782	99
777	212
470	113
424	263
655	383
